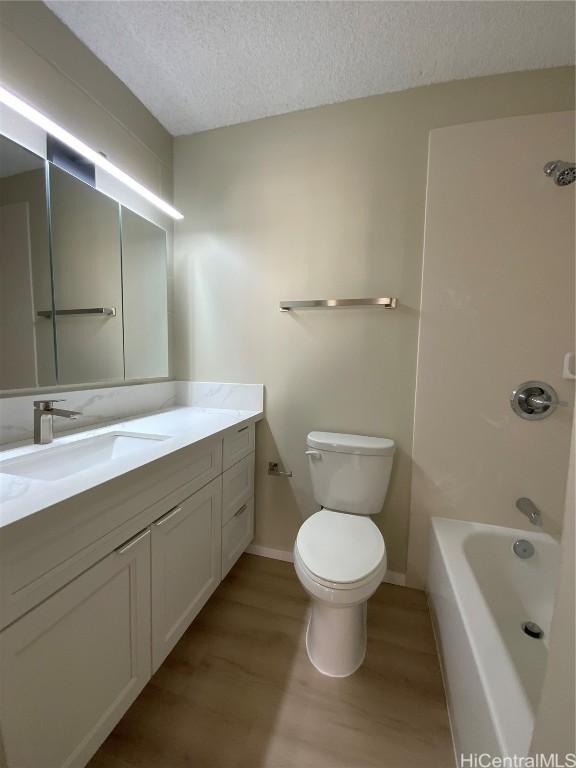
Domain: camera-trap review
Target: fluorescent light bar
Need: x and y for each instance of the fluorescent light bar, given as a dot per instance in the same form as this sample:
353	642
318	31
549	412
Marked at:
65	137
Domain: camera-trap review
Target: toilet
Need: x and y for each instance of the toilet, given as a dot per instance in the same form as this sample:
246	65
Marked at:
340	555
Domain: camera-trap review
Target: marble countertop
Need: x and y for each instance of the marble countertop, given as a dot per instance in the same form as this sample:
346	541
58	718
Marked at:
23	496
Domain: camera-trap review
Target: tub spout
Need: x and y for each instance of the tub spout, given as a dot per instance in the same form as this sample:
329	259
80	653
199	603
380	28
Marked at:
528	508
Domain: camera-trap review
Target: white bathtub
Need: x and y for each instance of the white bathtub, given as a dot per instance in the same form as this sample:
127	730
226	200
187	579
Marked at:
480	593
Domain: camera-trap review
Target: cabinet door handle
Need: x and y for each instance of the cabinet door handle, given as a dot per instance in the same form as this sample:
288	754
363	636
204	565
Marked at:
131	542
167	516
243	508
243	428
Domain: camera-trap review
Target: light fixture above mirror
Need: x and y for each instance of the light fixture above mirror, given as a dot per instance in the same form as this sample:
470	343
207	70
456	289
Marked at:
60	133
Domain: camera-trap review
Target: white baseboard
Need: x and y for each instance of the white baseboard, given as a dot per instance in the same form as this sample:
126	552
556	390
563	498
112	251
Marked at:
394	577
275	554
390	577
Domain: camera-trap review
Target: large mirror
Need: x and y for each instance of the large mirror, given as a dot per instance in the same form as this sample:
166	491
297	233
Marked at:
83	297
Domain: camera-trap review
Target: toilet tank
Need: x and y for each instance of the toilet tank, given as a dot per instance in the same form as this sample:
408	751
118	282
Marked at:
350	473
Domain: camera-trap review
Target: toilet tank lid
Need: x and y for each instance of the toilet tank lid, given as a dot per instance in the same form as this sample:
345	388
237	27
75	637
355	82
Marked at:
359	444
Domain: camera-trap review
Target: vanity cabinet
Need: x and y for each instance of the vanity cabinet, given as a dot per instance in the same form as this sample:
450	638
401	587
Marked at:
72	666
45	552
98	592
186	566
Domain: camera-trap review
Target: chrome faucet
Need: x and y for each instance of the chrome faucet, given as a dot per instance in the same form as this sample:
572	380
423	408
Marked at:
44	412
528	508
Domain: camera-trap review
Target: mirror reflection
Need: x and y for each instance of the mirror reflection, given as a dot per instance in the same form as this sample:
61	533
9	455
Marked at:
145	298
27	356
87	268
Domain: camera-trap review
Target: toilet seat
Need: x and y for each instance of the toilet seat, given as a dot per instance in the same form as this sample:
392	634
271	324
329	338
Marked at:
347	591
339	550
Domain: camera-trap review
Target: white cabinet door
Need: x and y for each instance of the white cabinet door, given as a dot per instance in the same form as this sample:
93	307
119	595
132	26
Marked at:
71	667
186	565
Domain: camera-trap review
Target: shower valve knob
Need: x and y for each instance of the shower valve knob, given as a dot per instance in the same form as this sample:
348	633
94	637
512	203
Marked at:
535	400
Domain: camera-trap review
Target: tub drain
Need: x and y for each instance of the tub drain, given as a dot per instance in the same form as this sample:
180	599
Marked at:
523	549
532	629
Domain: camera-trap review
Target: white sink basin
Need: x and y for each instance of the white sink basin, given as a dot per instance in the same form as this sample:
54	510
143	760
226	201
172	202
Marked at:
62	461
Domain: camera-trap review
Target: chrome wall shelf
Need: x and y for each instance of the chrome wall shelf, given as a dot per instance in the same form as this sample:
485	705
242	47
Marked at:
102	311
385	303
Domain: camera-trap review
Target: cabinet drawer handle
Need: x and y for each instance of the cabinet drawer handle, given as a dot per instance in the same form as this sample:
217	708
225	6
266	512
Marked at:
167	516
131	542
243	428
243	508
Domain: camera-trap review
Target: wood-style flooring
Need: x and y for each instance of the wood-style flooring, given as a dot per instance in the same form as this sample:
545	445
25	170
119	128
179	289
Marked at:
238	691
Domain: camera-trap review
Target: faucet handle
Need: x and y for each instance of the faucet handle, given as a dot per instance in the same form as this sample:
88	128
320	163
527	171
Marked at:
45	405
540	401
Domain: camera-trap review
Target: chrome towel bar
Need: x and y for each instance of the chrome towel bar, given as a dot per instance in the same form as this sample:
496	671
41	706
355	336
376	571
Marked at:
105	311
386	303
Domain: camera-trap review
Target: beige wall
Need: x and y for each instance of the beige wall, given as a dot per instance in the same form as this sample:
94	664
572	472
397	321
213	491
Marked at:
44	63
326	202
497	310
555	725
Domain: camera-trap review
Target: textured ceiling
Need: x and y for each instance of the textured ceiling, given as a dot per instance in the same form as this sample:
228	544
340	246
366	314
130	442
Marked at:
200	65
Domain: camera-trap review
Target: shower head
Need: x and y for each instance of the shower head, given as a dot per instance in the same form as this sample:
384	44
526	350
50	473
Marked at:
562	172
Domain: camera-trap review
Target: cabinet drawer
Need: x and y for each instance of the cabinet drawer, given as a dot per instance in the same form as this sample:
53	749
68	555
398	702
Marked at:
237	487
238	444
72	666
236	535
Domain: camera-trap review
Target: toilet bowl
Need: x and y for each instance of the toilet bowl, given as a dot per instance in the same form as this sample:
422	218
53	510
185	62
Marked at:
339	554
340	560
